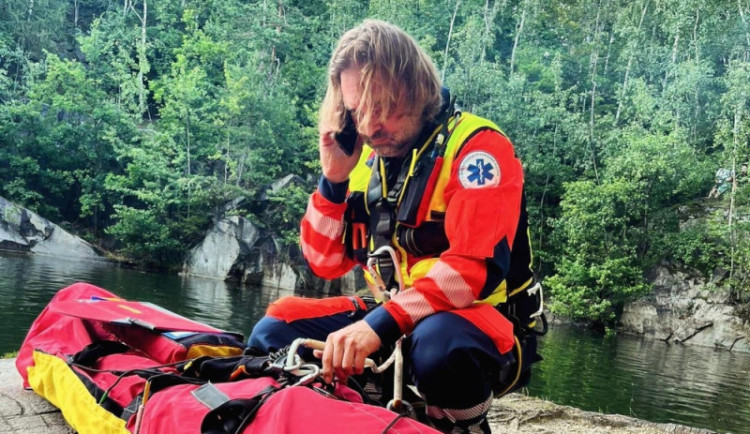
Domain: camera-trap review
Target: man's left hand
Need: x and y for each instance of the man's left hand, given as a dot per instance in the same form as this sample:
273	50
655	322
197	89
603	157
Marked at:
346	350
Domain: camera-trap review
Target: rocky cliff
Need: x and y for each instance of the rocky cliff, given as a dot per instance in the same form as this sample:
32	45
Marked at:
25	231
687	309
235	249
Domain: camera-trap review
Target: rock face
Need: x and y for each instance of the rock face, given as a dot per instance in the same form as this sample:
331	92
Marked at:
684	309
235	249
24	231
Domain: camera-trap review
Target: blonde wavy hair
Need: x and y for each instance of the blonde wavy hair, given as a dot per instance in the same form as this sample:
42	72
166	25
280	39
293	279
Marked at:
392	61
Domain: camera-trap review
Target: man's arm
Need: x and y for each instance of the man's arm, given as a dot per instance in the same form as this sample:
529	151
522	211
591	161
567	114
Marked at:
322	227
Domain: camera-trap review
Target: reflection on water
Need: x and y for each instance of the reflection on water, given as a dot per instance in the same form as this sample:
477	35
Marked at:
651	380
27	283
648	379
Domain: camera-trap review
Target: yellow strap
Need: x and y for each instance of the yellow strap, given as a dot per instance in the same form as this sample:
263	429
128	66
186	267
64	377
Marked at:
519	359
53	379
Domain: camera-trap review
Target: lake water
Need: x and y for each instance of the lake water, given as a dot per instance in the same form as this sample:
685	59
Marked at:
700	387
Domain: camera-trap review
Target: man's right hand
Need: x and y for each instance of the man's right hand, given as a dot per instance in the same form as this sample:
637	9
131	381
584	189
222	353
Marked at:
335	163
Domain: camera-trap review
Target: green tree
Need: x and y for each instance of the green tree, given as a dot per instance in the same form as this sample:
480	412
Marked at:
60	144
609	228
734	133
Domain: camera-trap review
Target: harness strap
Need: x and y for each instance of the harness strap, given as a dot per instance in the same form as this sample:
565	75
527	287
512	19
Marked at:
232	416
91	353
387	190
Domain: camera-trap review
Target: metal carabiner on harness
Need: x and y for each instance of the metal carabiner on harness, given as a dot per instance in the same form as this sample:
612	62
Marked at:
291	364
378	287
534	290
306	374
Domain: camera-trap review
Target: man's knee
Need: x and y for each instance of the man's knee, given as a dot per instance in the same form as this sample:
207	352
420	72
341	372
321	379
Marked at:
429	349
270	334
290	318
446	349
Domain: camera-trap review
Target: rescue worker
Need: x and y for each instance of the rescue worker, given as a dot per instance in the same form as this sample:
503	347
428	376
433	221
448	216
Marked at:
428	200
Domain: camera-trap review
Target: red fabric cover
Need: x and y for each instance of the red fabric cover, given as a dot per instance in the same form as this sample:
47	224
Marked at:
82	314
291	410
126	388
292	308
492	323
58	334
175	409
117	310
163	350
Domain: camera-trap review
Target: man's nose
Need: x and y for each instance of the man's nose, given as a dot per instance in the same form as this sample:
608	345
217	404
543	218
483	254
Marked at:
371	128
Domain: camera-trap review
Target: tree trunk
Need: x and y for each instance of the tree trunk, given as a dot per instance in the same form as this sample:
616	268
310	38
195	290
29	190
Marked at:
489	18
667	70
696	102
630	62
187	148
142	59
448	42
519	29
241	168
142	64
544	195
734	290
747	34
609	52
593	73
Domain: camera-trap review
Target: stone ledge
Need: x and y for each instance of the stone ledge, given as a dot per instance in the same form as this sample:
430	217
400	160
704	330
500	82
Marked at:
24	412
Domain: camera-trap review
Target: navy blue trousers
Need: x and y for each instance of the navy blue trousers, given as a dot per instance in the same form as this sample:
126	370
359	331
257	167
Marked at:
453	364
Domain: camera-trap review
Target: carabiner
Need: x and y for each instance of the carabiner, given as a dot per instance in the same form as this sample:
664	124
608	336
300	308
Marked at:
308	372
372	269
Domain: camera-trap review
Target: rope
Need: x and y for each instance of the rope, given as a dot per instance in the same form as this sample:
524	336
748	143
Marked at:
393	422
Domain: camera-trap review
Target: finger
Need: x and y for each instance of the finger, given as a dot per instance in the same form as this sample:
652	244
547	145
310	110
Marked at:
348	358
327	360
327	139
359	363
317	354
337	359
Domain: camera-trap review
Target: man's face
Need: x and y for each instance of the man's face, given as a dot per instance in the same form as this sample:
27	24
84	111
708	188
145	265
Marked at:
392	137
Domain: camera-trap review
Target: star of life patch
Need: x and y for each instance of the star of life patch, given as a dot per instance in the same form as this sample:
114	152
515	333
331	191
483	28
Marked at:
478	170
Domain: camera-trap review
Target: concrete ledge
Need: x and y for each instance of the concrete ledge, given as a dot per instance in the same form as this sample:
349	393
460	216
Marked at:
25	412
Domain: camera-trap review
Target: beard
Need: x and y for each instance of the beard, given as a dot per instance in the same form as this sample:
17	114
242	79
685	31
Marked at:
394	144
388	147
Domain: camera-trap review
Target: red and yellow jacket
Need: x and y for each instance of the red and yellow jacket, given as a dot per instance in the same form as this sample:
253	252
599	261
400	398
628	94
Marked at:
478	197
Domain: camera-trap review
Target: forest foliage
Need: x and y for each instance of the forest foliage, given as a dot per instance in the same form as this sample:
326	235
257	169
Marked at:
137	121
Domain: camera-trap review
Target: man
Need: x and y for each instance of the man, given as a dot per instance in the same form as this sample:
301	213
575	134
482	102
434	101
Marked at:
427	199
